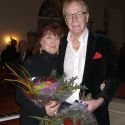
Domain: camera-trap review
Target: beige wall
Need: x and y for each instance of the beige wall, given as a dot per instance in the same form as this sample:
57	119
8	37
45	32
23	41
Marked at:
116	11
97	13
20	16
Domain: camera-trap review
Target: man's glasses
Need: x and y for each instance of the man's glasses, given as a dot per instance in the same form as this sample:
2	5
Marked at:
78	14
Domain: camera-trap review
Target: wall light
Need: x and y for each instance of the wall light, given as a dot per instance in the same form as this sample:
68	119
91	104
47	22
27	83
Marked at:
8	38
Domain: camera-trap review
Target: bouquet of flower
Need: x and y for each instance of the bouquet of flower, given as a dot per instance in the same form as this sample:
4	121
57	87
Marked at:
42	90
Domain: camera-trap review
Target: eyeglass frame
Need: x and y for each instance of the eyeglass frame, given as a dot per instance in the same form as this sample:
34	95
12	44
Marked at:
77	14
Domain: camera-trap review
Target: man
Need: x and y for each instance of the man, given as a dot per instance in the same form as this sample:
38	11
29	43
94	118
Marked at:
23	53
90	57
9	54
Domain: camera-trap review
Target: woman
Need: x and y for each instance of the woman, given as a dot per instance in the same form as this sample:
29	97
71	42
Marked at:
41	65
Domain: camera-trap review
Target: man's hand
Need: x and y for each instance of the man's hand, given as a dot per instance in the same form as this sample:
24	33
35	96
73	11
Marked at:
93	104
52	107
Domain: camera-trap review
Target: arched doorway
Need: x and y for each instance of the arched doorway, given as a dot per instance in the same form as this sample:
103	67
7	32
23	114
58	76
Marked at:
50	11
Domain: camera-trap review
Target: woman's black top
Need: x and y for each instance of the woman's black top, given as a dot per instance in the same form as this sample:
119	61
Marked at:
38	66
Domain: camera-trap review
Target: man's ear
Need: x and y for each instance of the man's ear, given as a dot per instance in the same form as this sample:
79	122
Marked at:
66	21
87	17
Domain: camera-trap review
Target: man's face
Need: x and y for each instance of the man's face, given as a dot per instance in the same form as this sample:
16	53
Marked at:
76	17
23	46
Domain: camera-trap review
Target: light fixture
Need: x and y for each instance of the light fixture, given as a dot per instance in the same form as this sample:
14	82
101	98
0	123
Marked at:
7	39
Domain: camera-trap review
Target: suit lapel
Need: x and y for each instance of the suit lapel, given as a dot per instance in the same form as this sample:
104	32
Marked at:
89	55
62	51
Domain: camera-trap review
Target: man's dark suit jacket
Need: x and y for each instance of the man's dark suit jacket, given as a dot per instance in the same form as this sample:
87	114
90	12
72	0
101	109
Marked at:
19	60
100	65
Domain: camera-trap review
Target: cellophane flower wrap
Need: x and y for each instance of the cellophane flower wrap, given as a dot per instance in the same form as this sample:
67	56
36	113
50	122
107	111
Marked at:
42	90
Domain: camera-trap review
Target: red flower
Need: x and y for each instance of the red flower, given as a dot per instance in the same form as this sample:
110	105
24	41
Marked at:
68	121
49	81
97	55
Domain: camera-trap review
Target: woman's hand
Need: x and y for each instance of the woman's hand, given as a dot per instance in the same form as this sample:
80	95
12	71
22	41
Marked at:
51	108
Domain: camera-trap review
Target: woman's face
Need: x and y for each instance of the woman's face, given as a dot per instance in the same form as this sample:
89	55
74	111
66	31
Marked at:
50	43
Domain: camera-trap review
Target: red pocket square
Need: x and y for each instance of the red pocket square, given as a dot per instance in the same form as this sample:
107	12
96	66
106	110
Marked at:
97	55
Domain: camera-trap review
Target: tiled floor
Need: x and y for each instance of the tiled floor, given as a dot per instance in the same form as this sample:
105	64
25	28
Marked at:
117	112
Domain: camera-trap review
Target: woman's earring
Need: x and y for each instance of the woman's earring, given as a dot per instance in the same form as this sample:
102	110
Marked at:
57	52
40	51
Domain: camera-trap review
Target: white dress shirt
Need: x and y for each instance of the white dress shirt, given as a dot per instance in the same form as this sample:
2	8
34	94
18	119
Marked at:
23	56
74	62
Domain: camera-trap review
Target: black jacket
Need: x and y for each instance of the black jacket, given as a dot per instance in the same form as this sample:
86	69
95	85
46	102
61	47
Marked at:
9	55
97	69
37	65
19	60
